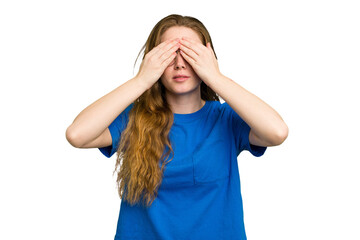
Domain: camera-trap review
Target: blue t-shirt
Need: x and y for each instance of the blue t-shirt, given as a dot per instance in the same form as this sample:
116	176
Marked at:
199	197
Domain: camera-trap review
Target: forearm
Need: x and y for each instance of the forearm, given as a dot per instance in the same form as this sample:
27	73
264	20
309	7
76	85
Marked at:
95	118
263	120
267	127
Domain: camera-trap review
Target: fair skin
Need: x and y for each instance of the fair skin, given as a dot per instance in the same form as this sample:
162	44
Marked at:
199	63
181	73
183	95
90	127
267	126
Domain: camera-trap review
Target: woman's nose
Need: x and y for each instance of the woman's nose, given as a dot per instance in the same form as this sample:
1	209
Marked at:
179	61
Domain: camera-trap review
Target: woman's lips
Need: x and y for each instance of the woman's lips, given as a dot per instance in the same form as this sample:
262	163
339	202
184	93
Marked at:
180	78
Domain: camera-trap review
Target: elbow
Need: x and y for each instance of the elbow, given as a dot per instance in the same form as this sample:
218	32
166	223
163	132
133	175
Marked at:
280	135
73	137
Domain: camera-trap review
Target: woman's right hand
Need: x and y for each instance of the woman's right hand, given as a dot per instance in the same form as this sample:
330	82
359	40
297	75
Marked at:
156	61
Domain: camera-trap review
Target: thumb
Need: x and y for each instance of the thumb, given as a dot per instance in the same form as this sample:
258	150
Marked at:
208	45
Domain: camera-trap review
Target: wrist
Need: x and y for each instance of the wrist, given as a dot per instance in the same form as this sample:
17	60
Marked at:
214	79
141	83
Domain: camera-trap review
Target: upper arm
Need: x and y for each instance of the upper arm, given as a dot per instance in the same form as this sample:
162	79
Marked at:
255	140
103	140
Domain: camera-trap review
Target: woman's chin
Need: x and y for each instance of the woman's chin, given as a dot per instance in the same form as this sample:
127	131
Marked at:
183	90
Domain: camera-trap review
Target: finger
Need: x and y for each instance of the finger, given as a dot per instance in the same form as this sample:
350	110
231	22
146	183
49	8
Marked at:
194	46
169	45
189	52
188	58
168	60
158	47
208	45
169	52
165	46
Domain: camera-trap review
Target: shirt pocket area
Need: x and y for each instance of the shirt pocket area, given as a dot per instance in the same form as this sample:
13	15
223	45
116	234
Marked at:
178	174
211	161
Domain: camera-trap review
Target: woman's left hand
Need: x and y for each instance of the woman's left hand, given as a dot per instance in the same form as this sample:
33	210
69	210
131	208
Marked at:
201	58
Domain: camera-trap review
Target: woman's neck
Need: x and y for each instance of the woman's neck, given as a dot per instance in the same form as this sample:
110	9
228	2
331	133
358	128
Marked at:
185	104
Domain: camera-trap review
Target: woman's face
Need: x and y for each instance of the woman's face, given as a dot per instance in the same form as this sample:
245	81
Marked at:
179	77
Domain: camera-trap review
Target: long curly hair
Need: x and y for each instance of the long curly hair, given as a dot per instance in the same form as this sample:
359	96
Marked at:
145	146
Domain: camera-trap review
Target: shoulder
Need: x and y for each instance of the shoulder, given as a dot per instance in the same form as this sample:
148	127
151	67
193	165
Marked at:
216	105
221	108
122	119
128	108
125	113
221	112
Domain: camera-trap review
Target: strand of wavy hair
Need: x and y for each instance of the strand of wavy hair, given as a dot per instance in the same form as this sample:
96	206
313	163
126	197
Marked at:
141	148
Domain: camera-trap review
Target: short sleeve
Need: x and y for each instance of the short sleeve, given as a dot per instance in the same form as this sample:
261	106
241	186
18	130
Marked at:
116	128
241	132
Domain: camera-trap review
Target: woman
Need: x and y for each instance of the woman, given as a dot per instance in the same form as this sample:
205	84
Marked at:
177	145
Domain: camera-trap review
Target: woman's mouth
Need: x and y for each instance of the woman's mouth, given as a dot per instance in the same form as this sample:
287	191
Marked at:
180	78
